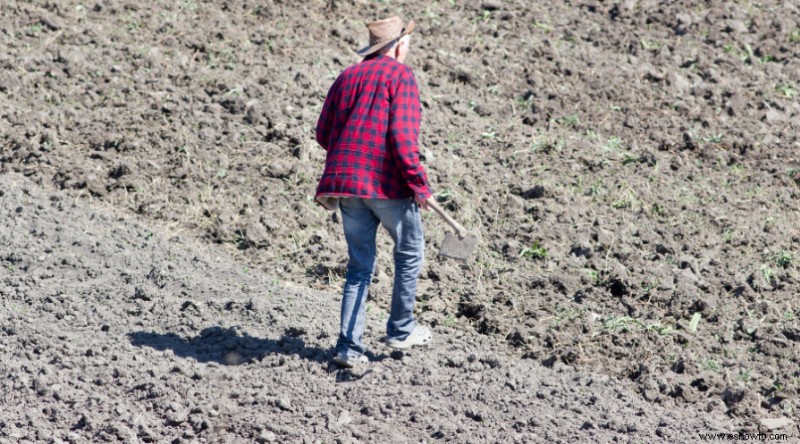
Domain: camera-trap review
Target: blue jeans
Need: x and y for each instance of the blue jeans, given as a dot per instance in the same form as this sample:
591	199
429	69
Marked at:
360	219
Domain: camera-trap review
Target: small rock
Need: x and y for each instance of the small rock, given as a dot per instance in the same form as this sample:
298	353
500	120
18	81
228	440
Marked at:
773	116
775	423
176	418
141	294
267	436
285	404
52	23
474	415
688	141
44	435
736	26
344	418
436	306
96	186
278	169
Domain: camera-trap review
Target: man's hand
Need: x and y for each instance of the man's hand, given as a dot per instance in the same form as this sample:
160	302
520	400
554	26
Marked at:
424	203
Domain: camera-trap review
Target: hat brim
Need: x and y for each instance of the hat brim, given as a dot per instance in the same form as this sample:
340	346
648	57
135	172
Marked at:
375	48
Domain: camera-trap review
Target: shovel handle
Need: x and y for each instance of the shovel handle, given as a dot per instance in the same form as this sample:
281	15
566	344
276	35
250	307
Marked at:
462	233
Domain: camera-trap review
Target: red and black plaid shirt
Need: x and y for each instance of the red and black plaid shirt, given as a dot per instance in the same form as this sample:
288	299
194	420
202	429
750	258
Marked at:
369	125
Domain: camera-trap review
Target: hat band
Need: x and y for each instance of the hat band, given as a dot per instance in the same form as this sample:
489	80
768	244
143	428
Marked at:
387	39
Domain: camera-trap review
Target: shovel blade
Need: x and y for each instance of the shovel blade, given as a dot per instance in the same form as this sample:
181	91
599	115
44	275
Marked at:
456	247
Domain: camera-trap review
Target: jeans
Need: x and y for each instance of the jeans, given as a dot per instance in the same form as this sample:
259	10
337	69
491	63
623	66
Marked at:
360	219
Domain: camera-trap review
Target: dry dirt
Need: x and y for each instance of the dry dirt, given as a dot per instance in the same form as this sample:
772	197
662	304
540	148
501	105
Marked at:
633	168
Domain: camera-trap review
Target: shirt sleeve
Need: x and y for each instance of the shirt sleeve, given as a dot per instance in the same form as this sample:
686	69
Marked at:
404	120
327	116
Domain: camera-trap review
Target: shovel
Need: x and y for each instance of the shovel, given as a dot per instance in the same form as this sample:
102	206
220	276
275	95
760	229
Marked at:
456	246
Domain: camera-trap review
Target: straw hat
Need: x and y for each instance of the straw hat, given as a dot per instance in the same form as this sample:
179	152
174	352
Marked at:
383	32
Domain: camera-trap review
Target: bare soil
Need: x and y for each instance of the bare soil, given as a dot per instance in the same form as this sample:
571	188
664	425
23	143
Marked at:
632	167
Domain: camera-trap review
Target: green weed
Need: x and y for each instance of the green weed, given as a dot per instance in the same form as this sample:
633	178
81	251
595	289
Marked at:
744	376
626	324
769	274
567	315
661	329
622	323
36	29
525	101
536	251
612	144
571	120
430	13
543	26
650	45
622	203
659	210
489	133
782	259
787	90
628	158
594	191
547	146
443	196
695	322
747	54
710	364
727	235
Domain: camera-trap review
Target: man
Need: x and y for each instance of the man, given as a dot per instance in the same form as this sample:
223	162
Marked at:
369	126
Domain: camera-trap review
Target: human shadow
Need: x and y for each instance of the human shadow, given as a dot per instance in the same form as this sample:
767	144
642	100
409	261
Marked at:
227	346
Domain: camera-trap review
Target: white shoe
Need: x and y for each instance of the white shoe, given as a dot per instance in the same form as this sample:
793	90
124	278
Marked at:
348	361
420	336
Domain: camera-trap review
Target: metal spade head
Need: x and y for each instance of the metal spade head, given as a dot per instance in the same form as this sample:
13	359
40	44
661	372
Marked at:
457	247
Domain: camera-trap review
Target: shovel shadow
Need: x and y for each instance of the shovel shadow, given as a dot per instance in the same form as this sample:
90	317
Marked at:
227	346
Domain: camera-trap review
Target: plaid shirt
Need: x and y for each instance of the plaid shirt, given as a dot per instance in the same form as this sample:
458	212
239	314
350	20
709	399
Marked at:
369	126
